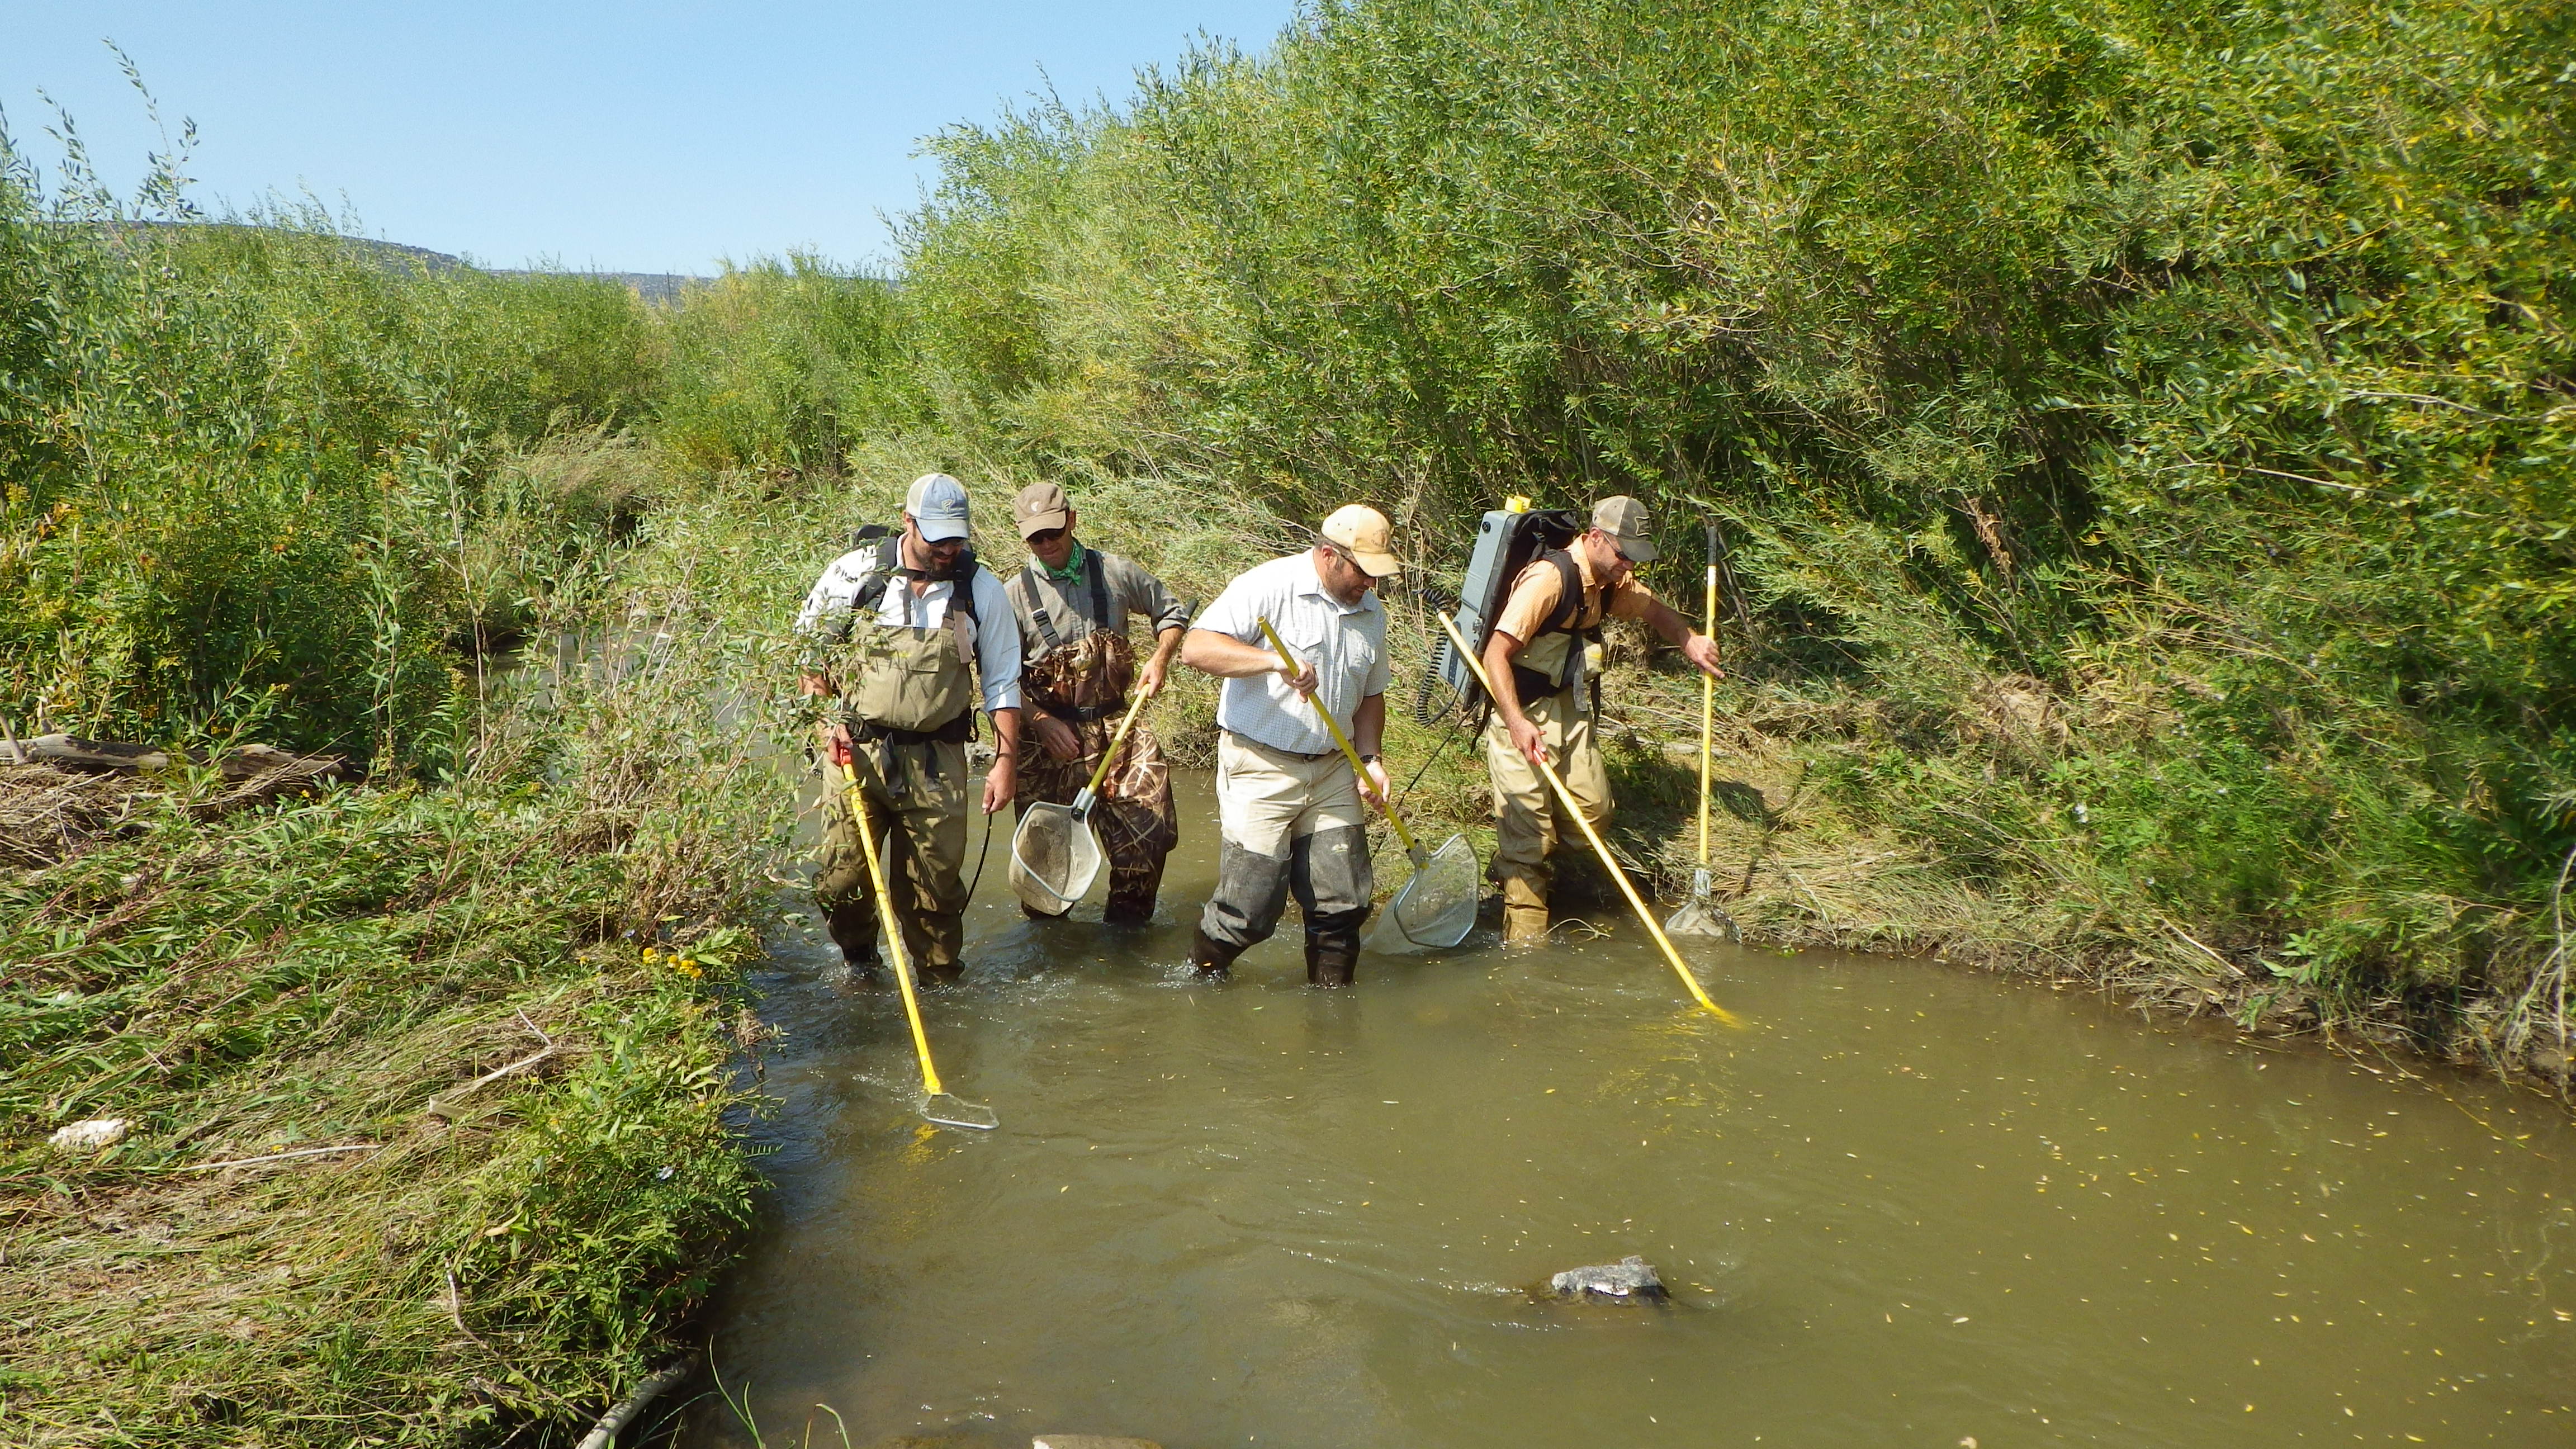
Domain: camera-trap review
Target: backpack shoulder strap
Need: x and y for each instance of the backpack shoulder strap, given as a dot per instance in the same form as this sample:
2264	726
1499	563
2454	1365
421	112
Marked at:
1098	575
1569	597
1028	582
872	588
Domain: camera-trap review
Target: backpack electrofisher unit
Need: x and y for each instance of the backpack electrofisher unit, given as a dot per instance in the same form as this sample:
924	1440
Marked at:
1506	541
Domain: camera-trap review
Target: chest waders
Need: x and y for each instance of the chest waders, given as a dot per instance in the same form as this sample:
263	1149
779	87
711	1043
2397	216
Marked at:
906	684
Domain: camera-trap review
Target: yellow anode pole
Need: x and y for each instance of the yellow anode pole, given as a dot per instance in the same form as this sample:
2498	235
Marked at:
1565	797
1707	708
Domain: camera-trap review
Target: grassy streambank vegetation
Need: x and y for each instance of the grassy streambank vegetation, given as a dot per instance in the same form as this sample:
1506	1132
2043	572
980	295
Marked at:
259	486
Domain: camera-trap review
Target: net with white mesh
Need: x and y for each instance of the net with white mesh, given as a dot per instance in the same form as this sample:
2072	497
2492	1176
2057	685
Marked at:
1054	859
1436	908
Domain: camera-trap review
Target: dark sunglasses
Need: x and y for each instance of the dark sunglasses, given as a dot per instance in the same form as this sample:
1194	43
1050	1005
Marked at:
1044	537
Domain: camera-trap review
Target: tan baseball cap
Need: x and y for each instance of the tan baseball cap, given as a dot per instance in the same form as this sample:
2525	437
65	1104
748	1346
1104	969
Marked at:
1365	532
1624	519
1039	507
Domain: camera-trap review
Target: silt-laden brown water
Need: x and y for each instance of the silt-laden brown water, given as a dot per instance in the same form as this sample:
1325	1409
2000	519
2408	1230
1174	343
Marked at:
1908	1206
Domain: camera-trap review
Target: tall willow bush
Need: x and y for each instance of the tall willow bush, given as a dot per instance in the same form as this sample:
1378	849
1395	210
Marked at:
247	471
783	365
2148	425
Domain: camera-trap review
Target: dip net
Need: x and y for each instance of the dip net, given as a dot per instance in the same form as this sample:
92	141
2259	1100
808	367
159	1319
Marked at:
1436	908
1054	859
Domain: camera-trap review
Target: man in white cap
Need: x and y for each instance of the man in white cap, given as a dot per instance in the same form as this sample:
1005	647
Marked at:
1536	658
1290	814
910	635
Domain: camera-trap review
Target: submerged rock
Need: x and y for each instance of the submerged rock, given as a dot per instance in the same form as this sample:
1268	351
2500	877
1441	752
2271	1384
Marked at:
1630	1280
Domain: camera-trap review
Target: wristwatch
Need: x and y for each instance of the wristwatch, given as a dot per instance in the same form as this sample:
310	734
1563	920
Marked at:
1368	759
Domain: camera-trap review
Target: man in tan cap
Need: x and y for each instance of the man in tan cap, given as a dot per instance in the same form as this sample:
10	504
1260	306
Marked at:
1291	815
1074	604
1536	658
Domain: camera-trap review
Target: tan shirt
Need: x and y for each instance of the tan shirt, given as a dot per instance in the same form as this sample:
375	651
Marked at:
1533	601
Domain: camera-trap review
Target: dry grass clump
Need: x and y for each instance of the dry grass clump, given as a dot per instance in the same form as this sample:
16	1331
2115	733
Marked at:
46	814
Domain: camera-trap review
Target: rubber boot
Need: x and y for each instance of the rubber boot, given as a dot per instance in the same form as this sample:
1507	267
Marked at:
1524	911
853	924
1332	959
1214	959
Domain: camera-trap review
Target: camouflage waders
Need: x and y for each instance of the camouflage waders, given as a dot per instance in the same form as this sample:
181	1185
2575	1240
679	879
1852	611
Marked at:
1085	685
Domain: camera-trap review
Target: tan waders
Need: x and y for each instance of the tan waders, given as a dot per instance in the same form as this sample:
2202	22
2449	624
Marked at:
1292	824
1085	684
1526	824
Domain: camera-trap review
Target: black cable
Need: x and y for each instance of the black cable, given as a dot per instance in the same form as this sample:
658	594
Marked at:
982	855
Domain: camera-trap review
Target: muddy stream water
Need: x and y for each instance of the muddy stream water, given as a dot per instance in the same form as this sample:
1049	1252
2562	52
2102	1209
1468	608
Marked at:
1905	1205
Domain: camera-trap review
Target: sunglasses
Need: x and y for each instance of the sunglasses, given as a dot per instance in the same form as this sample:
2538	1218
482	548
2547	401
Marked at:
1044	538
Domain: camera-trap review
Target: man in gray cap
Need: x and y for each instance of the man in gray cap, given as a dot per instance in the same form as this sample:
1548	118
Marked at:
1074	603
909	635
1536	658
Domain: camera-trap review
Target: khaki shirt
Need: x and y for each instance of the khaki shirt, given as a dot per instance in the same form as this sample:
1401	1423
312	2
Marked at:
1533	600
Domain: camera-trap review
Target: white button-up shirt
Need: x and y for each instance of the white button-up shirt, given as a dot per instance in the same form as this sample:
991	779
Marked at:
997	629
1345	642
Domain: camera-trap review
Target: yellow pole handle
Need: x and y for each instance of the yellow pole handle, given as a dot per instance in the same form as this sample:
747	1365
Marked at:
890	930
1120	738
1609	862
1343	740
1707	706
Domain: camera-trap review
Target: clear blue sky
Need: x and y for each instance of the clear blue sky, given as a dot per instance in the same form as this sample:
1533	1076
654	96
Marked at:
630	137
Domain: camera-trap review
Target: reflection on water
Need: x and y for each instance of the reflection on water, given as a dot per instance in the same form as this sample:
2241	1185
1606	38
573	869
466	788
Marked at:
1906	1206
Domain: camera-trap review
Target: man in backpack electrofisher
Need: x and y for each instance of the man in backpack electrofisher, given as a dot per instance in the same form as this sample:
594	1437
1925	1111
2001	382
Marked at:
1073	603
1289	812
911	634
1535	657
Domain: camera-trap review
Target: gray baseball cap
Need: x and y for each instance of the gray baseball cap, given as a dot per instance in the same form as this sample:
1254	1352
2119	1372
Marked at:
937	505
1624	519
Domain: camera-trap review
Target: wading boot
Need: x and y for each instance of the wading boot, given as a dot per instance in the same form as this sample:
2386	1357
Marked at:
1524	911
1214	959
1332	960
853	926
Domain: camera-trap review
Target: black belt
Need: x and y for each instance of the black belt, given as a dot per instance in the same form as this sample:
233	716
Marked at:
956	732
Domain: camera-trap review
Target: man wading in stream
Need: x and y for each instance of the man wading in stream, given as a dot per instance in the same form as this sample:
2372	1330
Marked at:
1073	603
911	631
1290	813
1535	656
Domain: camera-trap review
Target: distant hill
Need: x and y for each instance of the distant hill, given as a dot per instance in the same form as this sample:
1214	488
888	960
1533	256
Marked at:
652	286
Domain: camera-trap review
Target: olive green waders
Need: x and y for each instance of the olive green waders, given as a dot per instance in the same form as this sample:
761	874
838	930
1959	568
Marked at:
909	694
